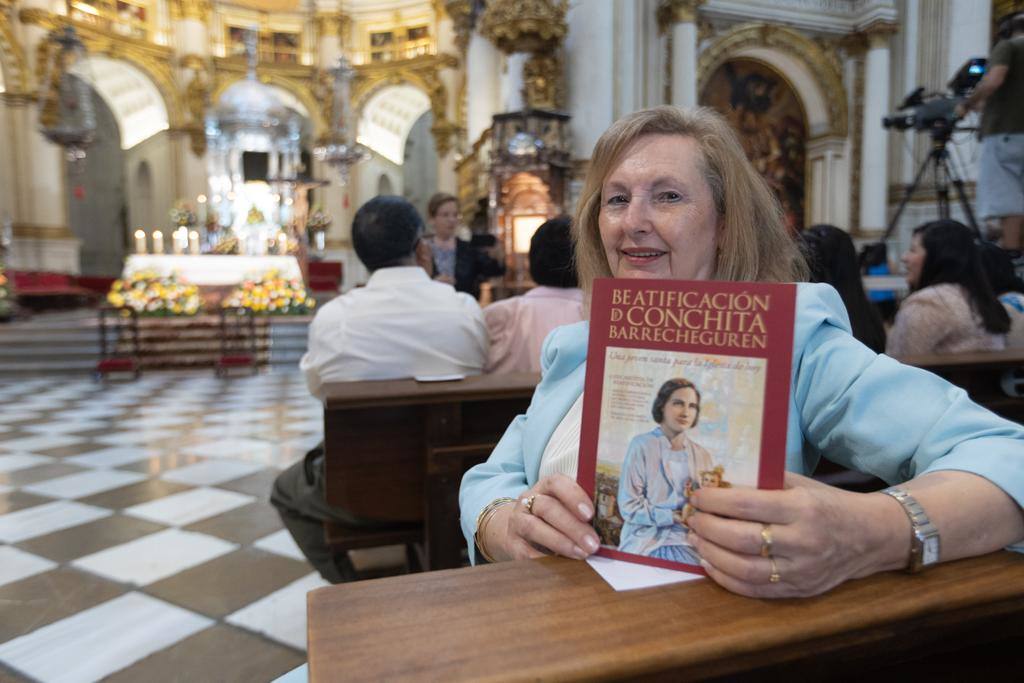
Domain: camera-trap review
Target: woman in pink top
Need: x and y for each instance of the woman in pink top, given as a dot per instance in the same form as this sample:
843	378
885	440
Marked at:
951	308
518	326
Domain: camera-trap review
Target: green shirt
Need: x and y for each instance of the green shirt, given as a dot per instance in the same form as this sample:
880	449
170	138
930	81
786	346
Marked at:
1004	110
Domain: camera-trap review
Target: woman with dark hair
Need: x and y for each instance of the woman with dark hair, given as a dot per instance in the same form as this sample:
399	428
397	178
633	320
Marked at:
951	307
1008	287
656	474
833	260
456	262
518	325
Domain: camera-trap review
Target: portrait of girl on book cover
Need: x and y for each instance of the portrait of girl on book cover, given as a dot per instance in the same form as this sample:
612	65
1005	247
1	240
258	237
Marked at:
671	423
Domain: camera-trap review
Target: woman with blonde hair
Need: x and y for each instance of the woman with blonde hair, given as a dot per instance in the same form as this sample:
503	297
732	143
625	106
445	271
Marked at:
669	194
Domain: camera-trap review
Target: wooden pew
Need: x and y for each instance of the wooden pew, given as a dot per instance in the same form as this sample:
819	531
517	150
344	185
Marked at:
556	619
396	450
979	373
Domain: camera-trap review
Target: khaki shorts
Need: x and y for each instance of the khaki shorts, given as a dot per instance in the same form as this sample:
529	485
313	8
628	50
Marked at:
1001	176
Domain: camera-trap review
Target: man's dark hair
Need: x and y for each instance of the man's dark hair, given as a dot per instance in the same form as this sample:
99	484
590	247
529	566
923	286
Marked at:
665	392
551	254
385	232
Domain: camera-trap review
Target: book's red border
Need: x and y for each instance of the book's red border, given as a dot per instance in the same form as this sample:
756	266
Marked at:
779	323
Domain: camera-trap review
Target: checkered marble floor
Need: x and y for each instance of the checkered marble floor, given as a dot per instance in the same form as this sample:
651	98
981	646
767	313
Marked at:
137	542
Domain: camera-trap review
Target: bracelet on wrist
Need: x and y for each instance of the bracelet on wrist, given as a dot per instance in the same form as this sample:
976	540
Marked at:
481	524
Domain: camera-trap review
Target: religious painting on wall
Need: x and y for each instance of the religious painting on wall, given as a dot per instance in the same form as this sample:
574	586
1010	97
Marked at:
770	120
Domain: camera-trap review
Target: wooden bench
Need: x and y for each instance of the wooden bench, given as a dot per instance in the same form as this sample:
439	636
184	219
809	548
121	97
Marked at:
555	619
980	374
395	451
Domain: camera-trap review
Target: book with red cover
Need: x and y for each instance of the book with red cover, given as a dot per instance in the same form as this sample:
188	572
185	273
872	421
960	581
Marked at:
687	386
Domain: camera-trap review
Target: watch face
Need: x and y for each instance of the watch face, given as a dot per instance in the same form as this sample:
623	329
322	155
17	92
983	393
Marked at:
930	552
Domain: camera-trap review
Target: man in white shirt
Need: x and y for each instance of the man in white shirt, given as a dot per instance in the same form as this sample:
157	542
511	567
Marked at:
401	324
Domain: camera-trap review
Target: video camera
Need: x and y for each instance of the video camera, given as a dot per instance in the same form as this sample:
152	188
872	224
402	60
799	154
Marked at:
936	113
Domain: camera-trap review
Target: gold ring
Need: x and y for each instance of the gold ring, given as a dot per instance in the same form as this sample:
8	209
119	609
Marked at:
774	578
766	540
528	503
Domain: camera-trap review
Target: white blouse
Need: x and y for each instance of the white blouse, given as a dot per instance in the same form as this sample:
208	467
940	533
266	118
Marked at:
562	454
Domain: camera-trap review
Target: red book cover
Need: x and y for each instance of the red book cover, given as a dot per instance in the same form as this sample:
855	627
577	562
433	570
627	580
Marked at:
687	386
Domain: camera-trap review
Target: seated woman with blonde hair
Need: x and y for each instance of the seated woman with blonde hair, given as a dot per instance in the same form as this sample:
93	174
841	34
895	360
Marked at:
670	194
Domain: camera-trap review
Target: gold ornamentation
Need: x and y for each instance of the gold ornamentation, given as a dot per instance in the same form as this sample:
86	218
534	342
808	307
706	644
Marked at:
524	25
191	9
193	61
461	13
677	12
823	64
543	82
12	56
443	131
422	72
473	173
156	61
197	99
32	231
879	32
333	25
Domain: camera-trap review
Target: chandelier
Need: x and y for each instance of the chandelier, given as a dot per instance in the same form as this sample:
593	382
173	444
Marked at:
66	115
334	148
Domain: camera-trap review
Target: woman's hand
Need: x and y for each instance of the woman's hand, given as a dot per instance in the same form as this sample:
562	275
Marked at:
557	521
820	537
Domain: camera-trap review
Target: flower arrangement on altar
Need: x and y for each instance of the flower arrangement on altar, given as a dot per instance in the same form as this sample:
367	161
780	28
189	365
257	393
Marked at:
271	294
182	215
150	294
5	295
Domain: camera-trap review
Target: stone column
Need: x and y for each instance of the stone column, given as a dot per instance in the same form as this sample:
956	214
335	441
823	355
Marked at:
42	239
511	85
445	132
680	18
334	32
482	62
192	44
874	169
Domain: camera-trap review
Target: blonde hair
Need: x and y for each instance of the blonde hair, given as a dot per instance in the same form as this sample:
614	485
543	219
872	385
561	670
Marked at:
753	245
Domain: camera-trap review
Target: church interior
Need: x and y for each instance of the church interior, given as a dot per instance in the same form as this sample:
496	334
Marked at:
178	182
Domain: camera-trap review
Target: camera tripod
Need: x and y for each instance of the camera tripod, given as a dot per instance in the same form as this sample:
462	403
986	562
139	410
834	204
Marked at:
946	174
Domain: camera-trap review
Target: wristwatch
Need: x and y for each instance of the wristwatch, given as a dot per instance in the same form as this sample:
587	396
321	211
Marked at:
924	537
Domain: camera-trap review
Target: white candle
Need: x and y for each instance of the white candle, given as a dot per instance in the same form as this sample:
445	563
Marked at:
282	243
158	242
179	247
193	242
140	241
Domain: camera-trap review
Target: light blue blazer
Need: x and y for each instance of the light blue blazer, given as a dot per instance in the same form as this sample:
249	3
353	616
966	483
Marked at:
864	411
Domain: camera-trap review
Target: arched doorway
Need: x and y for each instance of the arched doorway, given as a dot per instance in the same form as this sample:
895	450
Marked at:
384	186
103	202
97	213
394	123
769	117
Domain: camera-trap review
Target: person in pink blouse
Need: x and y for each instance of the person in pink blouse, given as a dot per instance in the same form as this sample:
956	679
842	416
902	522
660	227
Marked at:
517	326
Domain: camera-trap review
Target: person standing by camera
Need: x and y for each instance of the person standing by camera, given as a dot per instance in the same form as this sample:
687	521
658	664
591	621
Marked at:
1001	168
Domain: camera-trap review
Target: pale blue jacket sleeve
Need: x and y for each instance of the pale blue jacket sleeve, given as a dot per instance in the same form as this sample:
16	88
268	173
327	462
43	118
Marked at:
871	413
503	475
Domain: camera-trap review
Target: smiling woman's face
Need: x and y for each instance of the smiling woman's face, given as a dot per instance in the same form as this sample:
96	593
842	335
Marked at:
658	217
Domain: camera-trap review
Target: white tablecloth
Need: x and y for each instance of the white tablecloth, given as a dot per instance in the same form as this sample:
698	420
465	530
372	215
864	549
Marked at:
210	269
